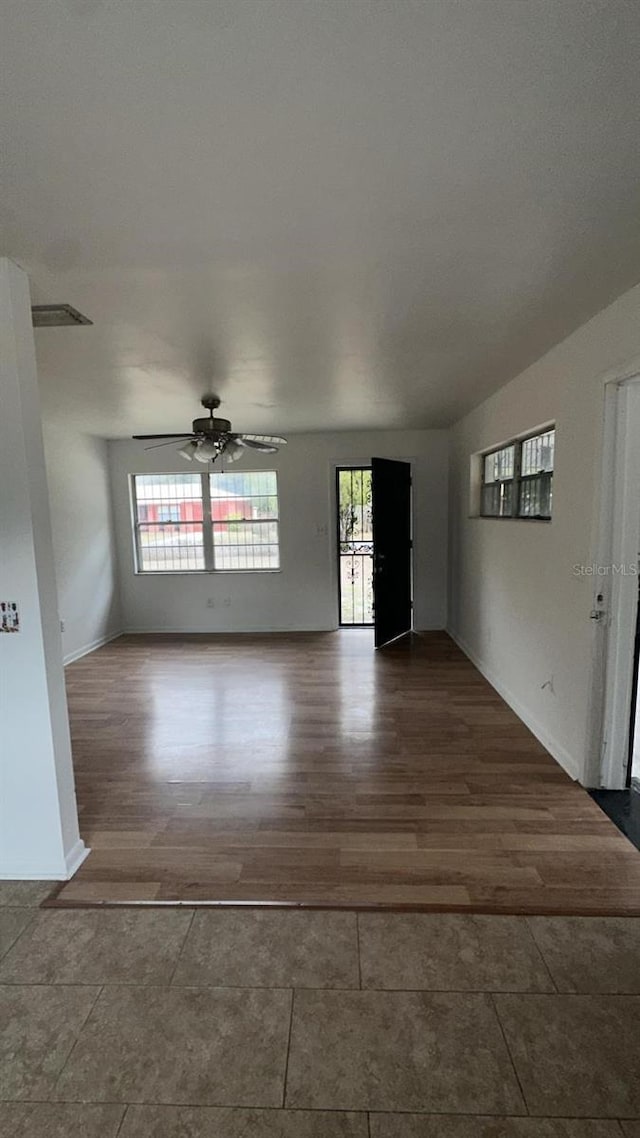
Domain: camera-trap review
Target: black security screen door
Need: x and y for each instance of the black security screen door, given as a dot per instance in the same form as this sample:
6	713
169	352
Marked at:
391	502
355	546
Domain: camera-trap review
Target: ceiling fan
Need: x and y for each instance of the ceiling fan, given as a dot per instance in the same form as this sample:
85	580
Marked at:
211	438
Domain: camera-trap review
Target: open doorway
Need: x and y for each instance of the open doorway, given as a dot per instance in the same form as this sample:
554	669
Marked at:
355	546
615	598
616	614
375	548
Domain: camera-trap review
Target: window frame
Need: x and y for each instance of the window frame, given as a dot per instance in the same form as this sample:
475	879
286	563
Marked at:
208	522
517	479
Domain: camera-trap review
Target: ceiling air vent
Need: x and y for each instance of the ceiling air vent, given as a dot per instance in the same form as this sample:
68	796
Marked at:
56	316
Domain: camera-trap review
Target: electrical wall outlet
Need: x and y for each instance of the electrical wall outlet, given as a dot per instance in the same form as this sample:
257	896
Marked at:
62	626
210	603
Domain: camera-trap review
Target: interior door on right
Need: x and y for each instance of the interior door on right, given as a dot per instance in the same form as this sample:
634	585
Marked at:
391	510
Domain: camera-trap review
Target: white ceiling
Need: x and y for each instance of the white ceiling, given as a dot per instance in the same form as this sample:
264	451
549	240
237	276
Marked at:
335	213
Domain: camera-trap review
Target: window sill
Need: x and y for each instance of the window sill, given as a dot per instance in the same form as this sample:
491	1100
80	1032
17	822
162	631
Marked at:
204	572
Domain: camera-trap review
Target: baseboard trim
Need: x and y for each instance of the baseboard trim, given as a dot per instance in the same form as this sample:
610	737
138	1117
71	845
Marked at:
30	871
567	761
259	631
218	631
75	858
71	657
26	872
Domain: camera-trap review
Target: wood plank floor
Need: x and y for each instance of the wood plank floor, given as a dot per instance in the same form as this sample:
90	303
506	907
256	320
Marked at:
307	768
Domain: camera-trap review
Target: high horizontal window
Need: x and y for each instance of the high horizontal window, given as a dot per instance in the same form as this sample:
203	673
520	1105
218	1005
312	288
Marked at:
204	522
517	479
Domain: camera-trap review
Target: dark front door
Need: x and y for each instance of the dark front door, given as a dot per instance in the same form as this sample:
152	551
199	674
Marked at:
635	696
391	505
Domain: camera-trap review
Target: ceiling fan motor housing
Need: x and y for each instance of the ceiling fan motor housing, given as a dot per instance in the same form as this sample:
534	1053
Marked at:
210	425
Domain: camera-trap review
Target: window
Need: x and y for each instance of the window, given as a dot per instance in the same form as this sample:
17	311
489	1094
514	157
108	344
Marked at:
517	479
536	476
244	511
497	483
204	522
168	522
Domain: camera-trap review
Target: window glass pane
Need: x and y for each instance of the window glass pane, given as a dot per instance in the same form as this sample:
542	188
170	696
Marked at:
246	545
538	453
499	465
170	548
169	516
246	494
168	512
168	497
497	500
536	495
244	509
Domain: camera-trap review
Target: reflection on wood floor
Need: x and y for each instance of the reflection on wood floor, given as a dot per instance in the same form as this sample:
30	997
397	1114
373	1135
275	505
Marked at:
309	768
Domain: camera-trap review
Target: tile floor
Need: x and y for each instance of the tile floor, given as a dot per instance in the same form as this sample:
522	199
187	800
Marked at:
230	1023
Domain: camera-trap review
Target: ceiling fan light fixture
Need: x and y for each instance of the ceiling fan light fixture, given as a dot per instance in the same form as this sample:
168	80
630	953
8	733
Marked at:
206	451
188	450
233	451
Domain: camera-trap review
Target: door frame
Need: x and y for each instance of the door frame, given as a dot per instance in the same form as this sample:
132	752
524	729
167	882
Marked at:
615	586
331	484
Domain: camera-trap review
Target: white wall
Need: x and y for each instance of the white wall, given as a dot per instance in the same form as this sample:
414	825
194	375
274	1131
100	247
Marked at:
515	603
303	596
38	817
83	538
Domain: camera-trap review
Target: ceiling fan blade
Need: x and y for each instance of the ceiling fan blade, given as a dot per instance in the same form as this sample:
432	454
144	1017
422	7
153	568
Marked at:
245	442
187	436
268	440
169	442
